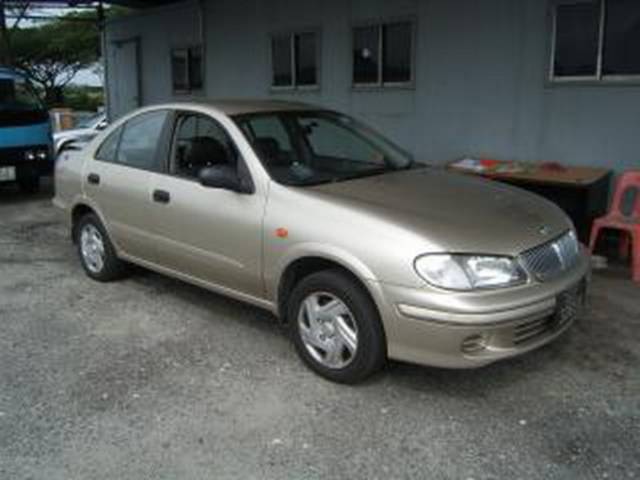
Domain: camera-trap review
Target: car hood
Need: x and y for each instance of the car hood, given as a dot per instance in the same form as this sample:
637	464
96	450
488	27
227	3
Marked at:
455	212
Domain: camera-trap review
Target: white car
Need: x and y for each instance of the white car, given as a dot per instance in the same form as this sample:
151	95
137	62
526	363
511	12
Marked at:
80	136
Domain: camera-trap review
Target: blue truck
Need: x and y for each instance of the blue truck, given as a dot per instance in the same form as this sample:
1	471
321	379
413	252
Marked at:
25	133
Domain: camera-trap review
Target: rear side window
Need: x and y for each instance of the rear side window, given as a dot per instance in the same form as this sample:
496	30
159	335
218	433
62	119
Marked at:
135	143
140	139
108	151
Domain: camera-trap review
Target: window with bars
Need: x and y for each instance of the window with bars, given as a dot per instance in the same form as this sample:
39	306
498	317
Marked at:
294	60
383	54
596	40
187	69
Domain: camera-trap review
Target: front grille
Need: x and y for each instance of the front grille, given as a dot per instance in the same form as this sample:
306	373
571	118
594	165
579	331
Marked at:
569	304
550	259
532	330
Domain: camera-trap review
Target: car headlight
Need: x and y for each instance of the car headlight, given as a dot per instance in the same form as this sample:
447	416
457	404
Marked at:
469	272
31	155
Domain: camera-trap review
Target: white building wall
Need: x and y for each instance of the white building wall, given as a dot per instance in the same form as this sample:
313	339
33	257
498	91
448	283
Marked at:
480	88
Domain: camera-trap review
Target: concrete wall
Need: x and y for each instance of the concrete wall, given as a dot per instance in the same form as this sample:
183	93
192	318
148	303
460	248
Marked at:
481	68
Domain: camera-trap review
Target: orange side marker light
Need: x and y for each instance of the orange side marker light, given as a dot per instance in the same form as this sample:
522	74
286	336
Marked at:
282	232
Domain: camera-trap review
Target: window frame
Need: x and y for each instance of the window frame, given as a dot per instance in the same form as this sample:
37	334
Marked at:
116	133
380	84
292	34
188	49
175	122
301	145
599	78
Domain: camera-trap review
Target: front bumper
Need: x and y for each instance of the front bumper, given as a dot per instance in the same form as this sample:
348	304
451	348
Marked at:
466	330
15	157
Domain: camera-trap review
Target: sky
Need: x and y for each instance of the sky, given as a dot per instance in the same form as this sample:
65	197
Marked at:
87	77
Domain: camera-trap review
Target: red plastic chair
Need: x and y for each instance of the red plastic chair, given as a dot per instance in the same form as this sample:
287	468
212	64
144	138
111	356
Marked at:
628	223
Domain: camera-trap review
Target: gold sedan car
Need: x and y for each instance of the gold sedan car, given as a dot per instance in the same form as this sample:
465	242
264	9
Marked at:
364	253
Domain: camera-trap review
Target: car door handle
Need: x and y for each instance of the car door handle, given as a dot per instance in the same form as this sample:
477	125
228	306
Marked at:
161	196
93	178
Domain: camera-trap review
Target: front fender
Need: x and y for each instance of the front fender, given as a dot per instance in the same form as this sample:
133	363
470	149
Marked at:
342	257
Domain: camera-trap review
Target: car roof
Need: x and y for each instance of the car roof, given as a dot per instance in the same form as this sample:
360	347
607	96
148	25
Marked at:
245	106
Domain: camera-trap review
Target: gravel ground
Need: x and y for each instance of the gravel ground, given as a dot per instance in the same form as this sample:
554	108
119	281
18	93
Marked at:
153	378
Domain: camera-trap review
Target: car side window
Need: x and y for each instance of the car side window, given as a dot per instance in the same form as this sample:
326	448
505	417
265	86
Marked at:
270	139
140	139
200	142
108	151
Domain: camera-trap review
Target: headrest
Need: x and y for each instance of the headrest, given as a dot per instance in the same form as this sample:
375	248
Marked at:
267	146
207	151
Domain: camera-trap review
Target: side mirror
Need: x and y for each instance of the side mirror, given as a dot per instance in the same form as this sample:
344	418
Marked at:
223	176
102	125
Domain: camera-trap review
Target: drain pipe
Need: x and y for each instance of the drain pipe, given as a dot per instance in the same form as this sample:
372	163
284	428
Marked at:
105	57
201	21
203	42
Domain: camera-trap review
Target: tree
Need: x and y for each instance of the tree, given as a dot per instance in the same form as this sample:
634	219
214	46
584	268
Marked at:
53	53
17	10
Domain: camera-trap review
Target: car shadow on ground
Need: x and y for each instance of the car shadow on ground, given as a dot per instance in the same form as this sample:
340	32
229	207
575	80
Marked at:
591	345
460	383
10	194
239	312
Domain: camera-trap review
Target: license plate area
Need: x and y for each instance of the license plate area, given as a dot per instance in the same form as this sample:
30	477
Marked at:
7	174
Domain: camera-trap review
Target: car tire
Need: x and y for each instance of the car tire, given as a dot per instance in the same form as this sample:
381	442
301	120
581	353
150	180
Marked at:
29	183
344	316
97	254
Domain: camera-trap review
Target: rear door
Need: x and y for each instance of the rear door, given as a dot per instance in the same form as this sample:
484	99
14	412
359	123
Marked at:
209	234
118	181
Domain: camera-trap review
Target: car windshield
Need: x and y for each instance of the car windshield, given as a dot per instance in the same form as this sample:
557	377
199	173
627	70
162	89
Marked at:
312	147
17	95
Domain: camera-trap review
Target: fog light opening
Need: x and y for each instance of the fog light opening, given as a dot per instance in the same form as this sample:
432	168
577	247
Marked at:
474	344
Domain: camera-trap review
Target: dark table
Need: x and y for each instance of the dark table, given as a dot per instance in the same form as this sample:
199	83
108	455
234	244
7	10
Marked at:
582	192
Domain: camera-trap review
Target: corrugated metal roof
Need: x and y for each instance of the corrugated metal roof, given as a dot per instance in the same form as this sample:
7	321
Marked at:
85	3
141	3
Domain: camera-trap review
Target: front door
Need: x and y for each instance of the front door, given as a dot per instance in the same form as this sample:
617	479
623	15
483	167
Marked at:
213	235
